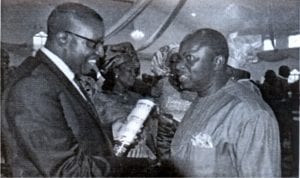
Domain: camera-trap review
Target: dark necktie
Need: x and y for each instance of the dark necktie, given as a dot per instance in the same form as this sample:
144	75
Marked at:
86	95
107	141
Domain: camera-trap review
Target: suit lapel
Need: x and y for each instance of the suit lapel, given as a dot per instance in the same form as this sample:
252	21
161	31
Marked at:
88	99
69	86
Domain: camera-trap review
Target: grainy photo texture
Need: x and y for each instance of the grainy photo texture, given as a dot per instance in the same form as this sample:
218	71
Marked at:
150	88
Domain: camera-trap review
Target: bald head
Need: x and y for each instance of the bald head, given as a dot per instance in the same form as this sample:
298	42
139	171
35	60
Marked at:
210	38
75	34
204	56
70	16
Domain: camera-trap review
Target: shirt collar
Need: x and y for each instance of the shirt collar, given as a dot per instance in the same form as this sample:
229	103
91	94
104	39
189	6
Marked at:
59	63
279	76
62	66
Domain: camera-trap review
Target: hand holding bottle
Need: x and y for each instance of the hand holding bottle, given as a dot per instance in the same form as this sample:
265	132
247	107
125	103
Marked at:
127	132
166	130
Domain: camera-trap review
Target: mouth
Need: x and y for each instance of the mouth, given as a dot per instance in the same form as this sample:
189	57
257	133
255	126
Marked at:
183	78
90	68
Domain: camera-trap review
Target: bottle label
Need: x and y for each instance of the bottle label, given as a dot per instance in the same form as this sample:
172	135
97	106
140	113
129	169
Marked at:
119	149
135	121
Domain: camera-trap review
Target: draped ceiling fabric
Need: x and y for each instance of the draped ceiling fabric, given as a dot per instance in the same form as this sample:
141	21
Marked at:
166	21
127	18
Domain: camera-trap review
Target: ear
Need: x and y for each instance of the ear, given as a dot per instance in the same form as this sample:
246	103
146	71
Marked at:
62	38
219	62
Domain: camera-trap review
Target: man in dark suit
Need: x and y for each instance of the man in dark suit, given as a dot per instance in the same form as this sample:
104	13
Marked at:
49	126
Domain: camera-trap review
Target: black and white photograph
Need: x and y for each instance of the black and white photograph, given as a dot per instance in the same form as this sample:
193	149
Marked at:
150	88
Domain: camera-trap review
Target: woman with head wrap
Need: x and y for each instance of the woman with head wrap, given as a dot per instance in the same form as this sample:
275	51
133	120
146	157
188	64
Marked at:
172	100
114	103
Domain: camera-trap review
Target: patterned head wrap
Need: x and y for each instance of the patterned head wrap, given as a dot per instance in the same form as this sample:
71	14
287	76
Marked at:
160	58
115	55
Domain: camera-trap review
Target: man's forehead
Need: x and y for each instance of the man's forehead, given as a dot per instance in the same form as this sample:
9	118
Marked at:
192	46
91	28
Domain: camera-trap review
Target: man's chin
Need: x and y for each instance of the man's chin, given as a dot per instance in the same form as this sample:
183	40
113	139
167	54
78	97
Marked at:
89	70
184	87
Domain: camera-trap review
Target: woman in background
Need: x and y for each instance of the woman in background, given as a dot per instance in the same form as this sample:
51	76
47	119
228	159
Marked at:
114	102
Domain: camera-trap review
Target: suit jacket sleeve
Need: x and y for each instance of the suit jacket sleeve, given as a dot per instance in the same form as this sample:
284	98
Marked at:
37	120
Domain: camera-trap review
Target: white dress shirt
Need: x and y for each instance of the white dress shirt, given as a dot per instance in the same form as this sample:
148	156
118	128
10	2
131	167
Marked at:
62	66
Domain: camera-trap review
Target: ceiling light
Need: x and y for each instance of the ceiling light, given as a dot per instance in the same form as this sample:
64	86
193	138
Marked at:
137	35
193	14
294	41
294	76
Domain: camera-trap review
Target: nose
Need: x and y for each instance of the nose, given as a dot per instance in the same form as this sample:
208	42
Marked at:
180	67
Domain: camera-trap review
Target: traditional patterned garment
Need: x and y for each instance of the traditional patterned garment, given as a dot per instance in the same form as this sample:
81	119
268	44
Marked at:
230	133
171	100
113	107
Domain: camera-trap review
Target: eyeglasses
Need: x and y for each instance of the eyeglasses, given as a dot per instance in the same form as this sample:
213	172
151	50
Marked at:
89	42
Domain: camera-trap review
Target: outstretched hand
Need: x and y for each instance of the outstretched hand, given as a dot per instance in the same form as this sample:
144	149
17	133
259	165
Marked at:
166	130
